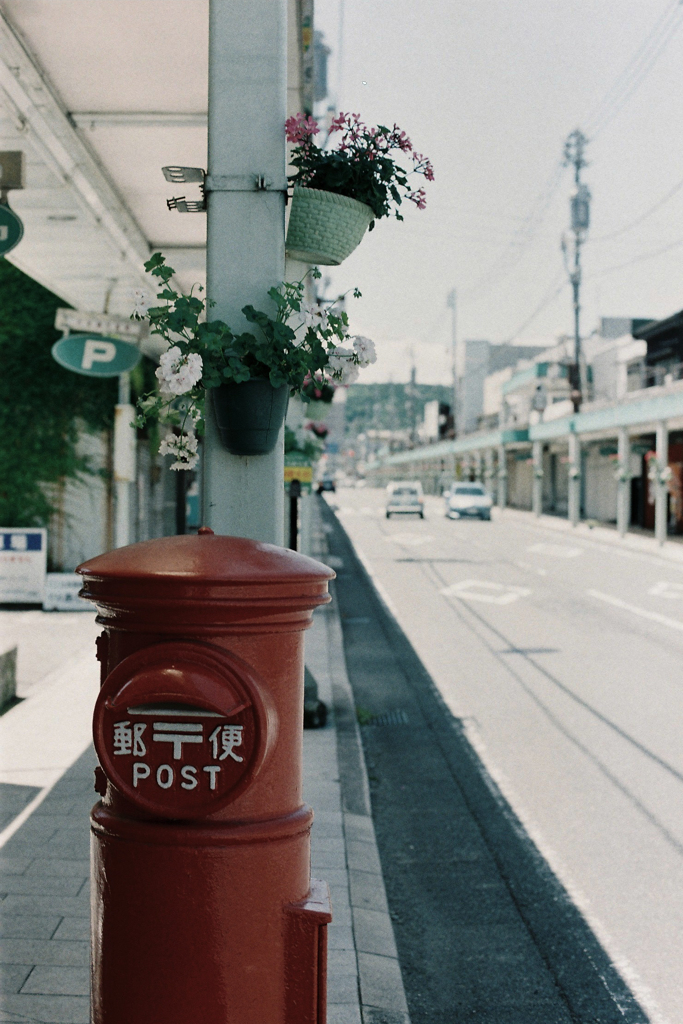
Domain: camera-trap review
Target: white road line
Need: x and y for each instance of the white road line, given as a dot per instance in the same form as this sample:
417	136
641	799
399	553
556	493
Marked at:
384	597
671	591
482	590
16	824
555	550
663	620
531	568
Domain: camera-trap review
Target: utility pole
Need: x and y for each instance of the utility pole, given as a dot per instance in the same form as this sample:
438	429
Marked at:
451	302
579	205
246	188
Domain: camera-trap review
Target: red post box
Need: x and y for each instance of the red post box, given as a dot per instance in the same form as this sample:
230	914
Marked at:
202	904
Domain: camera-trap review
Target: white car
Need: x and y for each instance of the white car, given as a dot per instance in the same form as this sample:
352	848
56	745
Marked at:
467	499
405	496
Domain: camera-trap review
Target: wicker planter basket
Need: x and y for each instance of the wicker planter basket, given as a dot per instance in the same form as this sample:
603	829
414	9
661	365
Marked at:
317	411
325	228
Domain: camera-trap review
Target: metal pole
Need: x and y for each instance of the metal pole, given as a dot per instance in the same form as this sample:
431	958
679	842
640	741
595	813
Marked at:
246	233
452	303
661	486
537	487
574	479
294	495
624	482
502	477
124	461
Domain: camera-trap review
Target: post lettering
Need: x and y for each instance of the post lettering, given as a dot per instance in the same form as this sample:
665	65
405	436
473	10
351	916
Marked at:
189	773
140	771
166	771
213	770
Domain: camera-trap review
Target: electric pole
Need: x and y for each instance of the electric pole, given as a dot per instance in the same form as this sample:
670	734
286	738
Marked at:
451	302
579	206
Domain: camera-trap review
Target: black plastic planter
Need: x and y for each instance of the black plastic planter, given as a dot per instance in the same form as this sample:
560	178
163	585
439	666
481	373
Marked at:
249	415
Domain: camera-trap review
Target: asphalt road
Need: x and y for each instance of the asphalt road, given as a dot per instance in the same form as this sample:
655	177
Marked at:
561	656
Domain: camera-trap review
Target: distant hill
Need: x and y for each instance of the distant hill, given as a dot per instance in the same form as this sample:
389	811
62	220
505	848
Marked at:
389	406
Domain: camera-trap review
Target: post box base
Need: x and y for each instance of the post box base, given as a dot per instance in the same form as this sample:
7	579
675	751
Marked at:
214	923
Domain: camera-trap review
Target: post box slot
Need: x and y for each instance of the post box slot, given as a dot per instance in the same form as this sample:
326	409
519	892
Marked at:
184	710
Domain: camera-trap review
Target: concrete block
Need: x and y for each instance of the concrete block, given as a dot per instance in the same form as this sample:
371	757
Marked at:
374	1015
342	961
359	827
342	988
367	890
13	976
28	886
14	865
58	868
55	1009
343	1013
363	856
339	936
381	984
373	932
28	926
73	928
58	981
46	952
74	906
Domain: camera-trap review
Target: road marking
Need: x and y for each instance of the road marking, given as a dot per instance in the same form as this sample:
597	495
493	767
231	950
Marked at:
672	591
482	590
384	596
663	620
555	550
409	539
532	568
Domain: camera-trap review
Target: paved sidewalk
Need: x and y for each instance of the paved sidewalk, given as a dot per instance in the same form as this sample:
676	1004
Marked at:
44	866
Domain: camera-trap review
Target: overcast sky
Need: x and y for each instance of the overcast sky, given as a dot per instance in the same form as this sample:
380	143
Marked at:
489	90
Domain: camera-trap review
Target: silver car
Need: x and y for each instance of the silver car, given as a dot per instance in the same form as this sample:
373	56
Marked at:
467	499
405	496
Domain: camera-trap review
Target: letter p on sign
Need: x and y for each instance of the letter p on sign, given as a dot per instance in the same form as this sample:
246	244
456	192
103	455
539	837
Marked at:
97	352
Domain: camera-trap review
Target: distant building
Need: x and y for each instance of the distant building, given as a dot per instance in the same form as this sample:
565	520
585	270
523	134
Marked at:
478	360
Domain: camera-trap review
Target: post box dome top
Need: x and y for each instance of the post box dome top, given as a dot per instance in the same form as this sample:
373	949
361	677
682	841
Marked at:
205	557
190	569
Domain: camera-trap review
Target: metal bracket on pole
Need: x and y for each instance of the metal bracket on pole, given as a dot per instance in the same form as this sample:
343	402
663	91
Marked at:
214	183
241	183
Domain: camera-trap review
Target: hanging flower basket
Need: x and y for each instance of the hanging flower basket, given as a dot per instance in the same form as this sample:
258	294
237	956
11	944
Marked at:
249	415
317	411
324	228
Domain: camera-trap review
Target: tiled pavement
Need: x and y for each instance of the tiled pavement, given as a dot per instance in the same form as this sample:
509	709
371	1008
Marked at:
44	883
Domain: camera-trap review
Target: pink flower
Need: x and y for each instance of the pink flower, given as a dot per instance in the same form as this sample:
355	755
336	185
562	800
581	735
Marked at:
300	128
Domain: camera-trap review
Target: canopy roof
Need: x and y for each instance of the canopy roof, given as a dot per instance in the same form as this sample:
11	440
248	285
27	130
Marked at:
100	94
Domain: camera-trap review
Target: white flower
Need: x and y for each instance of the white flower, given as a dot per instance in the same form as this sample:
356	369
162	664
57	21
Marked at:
316	317
343	365
143	300
339	359
177	373
350	373
365	350
184	447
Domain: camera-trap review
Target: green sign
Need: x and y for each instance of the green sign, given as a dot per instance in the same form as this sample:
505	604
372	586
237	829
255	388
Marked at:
11	229
94	355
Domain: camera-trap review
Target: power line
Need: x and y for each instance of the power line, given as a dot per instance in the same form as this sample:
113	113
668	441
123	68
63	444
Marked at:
637	69
638	259
551	294
643	216
522	235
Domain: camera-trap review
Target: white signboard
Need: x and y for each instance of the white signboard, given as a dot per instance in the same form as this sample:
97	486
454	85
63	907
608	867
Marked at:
23	563
61	593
